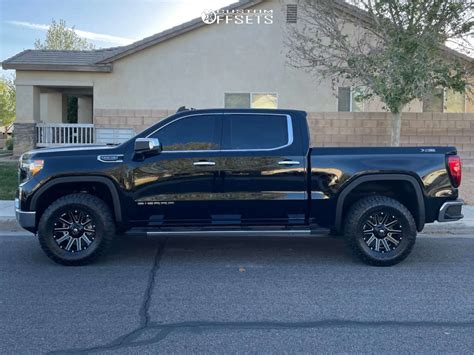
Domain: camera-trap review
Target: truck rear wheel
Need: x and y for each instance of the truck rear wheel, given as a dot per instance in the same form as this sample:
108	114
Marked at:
76	229
380	231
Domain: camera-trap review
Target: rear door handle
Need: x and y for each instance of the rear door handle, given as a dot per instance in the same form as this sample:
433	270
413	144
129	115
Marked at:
288	162
204	163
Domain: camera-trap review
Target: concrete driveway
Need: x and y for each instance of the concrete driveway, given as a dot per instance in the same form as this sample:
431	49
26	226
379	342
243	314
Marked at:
268	295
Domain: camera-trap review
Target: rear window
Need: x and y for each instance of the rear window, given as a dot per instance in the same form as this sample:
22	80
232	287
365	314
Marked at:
252	131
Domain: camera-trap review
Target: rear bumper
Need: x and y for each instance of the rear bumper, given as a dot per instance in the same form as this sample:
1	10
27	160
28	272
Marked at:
450	211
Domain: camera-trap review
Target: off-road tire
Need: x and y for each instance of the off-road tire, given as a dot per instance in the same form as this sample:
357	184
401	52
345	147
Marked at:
362	212
95	209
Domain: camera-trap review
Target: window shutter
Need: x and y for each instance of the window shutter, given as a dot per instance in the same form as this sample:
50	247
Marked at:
291	13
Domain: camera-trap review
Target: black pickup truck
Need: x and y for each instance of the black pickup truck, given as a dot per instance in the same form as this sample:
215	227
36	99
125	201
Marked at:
235	172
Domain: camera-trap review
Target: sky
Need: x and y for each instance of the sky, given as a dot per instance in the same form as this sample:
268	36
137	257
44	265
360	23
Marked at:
106	23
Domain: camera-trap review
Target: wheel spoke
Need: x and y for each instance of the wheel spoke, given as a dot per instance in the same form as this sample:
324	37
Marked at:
377	244
388	225
392	239
394	230
385	244
65	221
371	240
368	230
70	243
63	238
370	223
86	239
384	218
78	242
61	229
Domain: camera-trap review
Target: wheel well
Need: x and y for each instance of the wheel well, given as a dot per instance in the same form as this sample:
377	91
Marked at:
401	190
65	188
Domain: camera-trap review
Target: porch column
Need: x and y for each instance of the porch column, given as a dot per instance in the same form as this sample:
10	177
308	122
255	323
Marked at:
27	115
84	109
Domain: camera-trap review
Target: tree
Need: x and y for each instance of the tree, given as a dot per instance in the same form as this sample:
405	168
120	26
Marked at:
7	102
393	49
61	37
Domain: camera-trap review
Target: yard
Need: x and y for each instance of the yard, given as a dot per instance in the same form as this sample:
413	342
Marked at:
8	180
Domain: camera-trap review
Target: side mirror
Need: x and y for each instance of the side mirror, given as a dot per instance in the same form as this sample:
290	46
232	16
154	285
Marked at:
147	145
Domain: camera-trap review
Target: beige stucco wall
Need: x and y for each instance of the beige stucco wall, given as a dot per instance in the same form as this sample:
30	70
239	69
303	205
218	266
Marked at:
53	107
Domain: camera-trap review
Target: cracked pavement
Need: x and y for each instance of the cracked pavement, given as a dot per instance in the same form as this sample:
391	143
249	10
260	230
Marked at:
266	295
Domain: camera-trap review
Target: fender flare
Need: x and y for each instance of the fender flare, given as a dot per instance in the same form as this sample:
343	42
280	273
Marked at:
100	179
382	177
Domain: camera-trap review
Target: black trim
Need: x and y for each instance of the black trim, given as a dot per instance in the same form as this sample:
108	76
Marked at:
99	179
382	177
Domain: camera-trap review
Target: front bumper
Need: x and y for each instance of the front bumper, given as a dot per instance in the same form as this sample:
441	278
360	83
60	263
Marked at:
26	219
450	211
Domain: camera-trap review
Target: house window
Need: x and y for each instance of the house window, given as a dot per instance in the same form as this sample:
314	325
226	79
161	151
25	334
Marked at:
347	99
250	100
446	101
454	101
433	102
291	13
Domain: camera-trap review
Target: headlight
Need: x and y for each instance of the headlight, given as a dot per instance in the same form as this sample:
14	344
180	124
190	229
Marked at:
29	168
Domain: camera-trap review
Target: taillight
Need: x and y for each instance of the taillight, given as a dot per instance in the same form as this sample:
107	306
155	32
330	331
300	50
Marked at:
455	169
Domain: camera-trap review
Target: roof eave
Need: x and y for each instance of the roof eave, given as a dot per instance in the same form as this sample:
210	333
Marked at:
103	68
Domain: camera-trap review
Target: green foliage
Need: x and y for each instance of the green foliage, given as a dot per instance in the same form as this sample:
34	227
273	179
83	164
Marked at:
72	107
7	102
9	143
61	37
9	179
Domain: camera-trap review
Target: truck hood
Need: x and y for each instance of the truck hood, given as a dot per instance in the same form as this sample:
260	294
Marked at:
72	150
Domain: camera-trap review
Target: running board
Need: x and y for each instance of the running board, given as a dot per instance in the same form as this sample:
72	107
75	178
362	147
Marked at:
233	233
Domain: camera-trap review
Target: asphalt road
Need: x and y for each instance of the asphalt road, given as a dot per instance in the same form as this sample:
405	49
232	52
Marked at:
228	295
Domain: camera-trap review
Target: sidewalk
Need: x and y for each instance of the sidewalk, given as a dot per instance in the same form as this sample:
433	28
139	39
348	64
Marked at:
464	226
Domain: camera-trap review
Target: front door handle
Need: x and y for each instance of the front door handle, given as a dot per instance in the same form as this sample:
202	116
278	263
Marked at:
204	163
288	162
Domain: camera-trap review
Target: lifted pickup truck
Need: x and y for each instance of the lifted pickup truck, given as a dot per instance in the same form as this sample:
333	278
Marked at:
235	172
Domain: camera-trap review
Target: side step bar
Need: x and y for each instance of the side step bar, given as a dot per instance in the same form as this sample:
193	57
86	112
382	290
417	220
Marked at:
233	233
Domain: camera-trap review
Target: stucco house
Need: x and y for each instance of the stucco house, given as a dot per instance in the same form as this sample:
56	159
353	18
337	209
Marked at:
122	90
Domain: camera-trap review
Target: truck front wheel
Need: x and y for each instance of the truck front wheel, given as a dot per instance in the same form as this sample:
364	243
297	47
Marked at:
380	230
76	229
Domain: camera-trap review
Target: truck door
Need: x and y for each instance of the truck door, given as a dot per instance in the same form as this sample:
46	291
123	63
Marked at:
263	170
178	186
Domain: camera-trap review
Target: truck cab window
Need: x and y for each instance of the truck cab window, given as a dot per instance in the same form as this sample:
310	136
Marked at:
255	131
190	133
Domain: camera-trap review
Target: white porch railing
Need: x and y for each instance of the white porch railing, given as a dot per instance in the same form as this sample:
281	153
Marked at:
48	134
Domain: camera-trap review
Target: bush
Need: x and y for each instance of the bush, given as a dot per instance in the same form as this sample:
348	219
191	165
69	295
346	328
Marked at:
9	143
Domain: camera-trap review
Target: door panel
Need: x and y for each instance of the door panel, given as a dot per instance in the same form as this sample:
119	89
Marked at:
178	185
263	175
